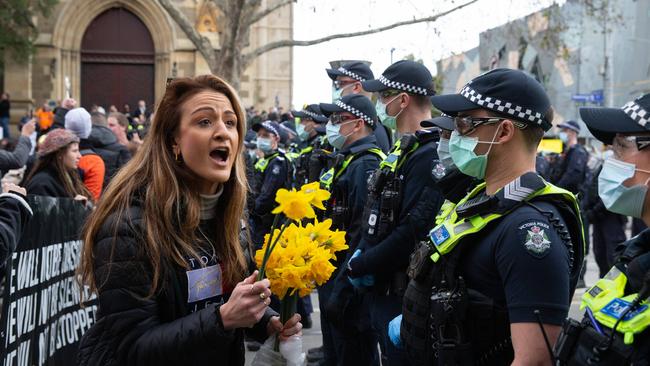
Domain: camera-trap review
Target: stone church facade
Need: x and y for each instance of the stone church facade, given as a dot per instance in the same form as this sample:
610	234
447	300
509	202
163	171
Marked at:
119	51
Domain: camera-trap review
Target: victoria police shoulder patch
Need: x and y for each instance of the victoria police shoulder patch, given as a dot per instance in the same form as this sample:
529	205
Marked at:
535	238
438	170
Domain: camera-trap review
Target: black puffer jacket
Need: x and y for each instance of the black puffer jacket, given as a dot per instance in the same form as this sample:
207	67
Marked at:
114	155
134	330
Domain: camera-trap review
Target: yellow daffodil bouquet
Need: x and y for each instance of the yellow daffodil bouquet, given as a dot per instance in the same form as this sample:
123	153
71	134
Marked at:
297	253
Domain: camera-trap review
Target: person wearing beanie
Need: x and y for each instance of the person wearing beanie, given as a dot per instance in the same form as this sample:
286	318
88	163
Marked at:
91	164
55	172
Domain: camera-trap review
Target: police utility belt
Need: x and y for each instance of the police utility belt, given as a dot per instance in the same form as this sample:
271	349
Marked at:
460	323
614	330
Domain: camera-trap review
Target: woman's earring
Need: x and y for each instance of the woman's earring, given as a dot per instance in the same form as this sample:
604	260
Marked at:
176	155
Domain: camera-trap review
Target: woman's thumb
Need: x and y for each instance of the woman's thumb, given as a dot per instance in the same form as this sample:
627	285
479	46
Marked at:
250	279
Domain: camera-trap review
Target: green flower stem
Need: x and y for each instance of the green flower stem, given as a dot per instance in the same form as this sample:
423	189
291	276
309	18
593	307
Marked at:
288	307
269	248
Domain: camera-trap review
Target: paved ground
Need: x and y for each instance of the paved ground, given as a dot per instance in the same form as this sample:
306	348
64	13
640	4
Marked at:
313	338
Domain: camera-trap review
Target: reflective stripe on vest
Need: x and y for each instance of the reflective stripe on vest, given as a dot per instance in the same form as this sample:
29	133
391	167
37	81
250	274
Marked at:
329	176
606	301
392	161
262	164
451	230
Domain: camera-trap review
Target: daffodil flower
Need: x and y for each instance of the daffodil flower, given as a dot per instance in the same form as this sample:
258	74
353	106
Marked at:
293	204
316	194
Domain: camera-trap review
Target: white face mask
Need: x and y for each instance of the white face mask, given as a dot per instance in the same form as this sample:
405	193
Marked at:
443	153
334	136
628	201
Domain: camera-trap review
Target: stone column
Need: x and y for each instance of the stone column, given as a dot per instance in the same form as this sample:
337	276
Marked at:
18	83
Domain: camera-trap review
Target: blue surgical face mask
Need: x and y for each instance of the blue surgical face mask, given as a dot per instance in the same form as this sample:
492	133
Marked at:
618	198
303	135
337	93
443	153
563	137
461	149
264	144
334	136
386	120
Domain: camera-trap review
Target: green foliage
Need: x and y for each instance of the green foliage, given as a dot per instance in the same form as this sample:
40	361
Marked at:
17	28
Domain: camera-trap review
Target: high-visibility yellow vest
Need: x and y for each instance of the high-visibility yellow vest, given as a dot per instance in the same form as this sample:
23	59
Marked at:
607	301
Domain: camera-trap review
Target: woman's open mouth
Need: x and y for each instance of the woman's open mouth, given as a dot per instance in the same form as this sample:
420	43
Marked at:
220	155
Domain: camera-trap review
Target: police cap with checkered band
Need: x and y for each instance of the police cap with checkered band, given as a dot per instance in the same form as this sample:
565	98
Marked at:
312	112
505	91
605	123
406	76
270	126
356	70
355	104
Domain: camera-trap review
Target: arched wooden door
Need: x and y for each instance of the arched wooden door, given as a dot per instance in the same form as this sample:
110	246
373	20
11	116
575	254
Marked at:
117	61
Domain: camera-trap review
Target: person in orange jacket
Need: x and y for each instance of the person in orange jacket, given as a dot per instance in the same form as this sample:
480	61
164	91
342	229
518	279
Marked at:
91	164
45	117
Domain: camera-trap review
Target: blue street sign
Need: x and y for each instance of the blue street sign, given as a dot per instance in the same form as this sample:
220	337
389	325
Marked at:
583	98
596	97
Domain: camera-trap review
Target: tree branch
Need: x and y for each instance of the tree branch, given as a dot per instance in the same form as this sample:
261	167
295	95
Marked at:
291	43
202	43
258	16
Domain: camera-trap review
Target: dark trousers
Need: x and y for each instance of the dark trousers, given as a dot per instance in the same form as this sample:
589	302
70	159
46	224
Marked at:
349	348
383	309
608	232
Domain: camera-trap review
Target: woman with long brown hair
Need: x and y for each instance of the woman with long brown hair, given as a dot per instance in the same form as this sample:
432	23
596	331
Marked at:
55	172
162	248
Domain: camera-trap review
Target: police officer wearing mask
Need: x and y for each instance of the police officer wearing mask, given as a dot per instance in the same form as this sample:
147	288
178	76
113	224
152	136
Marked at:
619	300
347	339
503	263
453	184
311	131
347	80
402	197
271	174
574	164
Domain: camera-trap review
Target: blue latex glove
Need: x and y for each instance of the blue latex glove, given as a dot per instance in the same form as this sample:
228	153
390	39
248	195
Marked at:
394	331
363	281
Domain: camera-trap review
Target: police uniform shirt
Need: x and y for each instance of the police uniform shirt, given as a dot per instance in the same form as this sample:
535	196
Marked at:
273	178
522	264
574	166
420	201
353	183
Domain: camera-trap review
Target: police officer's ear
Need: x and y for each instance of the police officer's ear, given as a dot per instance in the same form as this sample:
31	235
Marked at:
404	100
357	88
506	132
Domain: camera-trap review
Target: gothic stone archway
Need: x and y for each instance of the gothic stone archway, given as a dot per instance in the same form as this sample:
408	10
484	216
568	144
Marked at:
77	16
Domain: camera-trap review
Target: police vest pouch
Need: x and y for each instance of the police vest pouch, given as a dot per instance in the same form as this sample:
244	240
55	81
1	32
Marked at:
448	309
581	344
420	265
